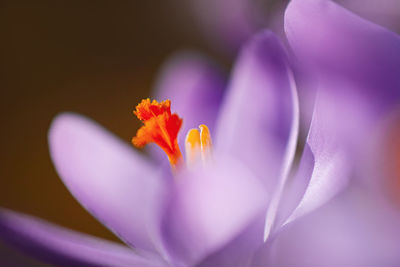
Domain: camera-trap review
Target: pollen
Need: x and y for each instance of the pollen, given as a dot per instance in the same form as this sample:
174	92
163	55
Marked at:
192	147
160	127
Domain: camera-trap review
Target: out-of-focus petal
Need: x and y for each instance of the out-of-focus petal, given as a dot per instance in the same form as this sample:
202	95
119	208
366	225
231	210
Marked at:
337	44
195	86
381	159
112	181
240	250
383	12
259	120
60	246
356	229
210	207
10	256
227	23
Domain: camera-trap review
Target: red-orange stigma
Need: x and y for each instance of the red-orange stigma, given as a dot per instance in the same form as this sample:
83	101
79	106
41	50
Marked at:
160	127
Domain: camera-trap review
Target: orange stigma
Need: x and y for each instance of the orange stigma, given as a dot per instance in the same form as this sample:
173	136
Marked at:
160	127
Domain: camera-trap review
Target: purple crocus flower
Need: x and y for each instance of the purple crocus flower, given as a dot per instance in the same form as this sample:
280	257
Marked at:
246	205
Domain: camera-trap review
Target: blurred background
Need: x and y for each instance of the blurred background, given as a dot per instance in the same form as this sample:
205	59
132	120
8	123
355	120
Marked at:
97	58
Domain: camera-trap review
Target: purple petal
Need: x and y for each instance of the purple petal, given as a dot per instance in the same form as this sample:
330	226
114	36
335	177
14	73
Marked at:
259	119
112	181
210	207
382	12
338	44
239	251
60	246
9	256
327	159
347	51
228	23
325	165
195	86
356	229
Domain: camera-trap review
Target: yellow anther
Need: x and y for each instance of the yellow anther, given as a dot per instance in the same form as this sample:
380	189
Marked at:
192	147
206	143
198	145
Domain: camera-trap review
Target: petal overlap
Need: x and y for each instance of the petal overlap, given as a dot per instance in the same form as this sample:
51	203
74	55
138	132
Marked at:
325	167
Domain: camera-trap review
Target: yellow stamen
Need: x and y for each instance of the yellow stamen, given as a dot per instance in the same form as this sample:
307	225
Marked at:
198	145
206	143
192	147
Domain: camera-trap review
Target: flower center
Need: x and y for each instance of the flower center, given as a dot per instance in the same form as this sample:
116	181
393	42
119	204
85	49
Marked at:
162	127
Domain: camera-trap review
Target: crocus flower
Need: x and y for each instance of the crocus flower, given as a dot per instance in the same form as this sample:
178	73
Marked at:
235	200
212	206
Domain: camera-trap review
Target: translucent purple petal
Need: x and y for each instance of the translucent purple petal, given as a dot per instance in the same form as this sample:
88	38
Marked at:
351	87
382	12
258	123
113	182
337	44
325	167
64	247
209	207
